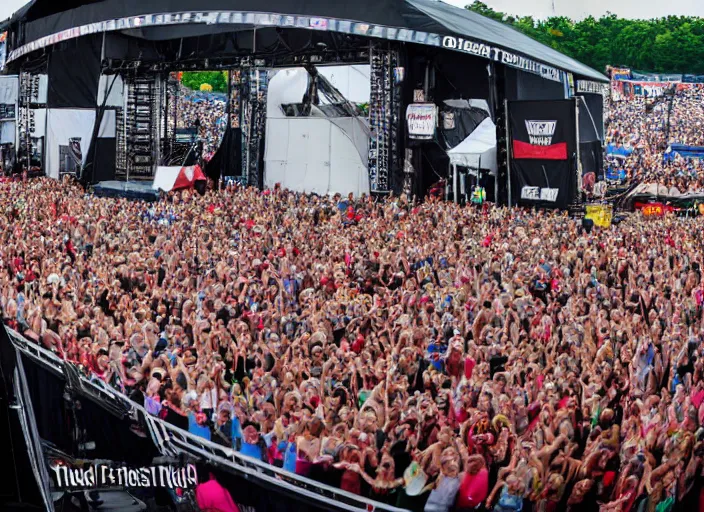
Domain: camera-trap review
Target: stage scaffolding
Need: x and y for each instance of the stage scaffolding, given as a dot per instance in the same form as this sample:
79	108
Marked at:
150	111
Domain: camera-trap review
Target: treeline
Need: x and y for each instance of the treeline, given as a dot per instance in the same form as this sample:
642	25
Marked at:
665	45
194	79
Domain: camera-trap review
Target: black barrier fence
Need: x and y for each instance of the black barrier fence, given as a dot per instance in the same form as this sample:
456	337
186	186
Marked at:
112	427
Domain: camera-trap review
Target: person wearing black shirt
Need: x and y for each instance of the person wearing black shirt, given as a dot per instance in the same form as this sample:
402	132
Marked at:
496	364
172	414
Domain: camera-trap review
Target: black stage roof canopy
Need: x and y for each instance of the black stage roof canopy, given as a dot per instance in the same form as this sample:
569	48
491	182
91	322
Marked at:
43	23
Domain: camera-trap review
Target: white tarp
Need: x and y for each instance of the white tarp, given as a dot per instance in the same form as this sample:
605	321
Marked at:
107	125
165	178
477	150
652	189
285	86
353	82
473	103
8	90
358	133
312	154
62	125
116	98
7	132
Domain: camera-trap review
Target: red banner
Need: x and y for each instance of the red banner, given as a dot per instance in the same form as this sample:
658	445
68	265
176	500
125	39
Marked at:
188	176
531	151
653	209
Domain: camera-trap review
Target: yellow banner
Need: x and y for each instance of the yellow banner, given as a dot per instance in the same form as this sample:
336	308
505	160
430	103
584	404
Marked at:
600	213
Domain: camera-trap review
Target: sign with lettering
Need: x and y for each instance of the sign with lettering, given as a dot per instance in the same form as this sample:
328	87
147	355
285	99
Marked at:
601	214
540	133
304	22
504	57
105	475
589	87
542	139
653	210
422	118
540	194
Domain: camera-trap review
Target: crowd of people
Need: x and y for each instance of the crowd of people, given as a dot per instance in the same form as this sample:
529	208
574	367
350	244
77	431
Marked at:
640	125
206	113
421	354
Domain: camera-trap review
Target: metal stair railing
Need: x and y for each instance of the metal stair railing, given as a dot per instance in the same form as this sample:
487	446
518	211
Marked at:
171	441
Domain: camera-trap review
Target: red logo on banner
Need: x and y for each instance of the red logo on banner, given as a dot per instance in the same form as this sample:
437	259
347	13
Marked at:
530	151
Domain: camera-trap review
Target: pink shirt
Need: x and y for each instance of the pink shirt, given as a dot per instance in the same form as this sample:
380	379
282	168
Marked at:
211	497
473	489
697	398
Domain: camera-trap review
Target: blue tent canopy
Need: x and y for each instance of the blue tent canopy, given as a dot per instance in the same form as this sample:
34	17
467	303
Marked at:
621	152
684	151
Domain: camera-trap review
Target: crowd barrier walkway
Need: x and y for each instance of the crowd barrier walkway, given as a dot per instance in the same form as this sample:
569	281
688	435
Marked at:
174	442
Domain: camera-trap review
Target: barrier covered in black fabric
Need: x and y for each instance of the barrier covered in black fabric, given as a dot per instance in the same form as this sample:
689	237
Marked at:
74	74
104	162
113	437
592	157
591	117
19	490
524	86
227	160
112	432
543	150
251	495
46	390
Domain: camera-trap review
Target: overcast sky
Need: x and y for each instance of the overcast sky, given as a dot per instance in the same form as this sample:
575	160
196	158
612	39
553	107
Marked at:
539	8
577	10
7	7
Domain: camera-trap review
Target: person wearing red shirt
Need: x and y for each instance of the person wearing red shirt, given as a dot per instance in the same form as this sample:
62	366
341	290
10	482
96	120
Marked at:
474	486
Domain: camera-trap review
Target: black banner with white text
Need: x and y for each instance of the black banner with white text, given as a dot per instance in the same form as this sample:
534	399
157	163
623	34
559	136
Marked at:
543	149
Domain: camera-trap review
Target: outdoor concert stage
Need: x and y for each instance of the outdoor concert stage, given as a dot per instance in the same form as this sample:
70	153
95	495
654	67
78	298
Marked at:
115	110
96	90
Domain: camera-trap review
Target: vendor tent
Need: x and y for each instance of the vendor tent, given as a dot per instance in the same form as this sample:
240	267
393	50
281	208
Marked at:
618	151
684	151
478	150
653	190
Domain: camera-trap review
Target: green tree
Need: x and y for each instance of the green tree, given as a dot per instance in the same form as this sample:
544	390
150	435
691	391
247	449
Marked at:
674	44
194	79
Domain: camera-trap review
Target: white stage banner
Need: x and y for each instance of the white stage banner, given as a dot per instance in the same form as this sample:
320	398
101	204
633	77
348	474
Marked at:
422	119
64	127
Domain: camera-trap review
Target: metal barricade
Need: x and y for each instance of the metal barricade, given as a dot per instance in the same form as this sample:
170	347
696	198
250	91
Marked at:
172	442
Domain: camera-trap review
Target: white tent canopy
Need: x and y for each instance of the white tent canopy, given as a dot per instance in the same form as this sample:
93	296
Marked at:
473	103
478	150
